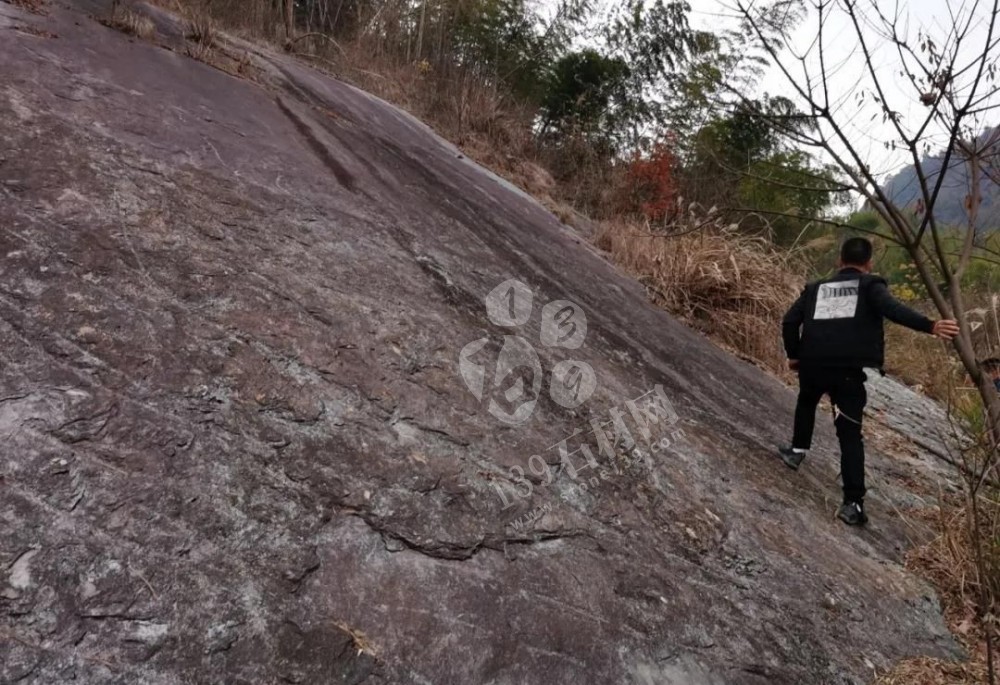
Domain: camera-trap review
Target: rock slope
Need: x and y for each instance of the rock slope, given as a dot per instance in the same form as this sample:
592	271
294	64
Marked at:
261	420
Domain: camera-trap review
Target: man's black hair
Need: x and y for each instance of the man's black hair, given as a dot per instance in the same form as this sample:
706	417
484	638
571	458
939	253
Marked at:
856	251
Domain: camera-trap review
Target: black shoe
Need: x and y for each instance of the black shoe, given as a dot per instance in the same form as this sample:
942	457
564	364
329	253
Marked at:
852	513
791	458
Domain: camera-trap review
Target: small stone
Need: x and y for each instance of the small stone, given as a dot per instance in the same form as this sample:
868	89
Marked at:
150	632
86	334
88	589
20	570
221	636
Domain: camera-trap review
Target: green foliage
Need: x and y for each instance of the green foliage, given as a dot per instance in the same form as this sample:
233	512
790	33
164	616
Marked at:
500	39
982	277
508	42
791	190
865	220
741	162
656	41
580	90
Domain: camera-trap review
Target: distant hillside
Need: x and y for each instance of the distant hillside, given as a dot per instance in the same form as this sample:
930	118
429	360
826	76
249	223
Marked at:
904	189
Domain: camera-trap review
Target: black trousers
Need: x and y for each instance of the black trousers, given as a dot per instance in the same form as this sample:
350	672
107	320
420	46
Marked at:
846	388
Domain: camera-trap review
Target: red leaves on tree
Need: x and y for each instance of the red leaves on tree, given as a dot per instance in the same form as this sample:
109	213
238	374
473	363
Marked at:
653	189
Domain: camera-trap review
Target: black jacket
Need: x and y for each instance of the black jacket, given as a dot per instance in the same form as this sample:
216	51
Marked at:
841	321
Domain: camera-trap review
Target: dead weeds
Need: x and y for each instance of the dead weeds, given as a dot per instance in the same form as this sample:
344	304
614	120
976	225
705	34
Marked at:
200	29
733	287
33	31
33	6
361	643
948	563
131	22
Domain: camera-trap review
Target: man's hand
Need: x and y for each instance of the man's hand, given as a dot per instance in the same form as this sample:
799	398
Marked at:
793	364
945	329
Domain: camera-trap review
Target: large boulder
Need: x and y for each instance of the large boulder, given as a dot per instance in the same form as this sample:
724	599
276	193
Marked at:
265	415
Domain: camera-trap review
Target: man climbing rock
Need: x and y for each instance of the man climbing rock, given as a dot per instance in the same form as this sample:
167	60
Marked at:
831	333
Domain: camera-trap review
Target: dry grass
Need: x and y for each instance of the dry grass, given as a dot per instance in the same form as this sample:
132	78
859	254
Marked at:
948	562
360	641
33	6
479	118
127	20
33	31
931	365
733	287
927	671
200	52
200	29
924	362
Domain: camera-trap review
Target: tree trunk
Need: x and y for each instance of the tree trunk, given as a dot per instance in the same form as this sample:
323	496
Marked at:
420	30
289	19
991	405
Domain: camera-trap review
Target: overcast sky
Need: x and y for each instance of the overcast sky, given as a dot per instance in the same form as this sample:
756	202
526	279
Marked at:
846	64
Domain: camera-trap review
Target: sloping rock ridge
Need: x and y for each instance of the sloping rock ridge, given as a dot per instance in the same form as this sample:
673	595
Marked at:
291	391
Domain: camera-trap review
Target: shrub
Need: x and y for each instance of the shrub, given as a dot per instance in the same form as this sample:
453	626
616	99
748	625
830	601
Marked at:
652	188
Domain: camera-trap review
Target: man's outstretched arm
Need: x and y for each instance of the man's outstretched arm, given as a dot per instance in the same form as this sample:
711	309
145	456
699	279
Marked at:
897	312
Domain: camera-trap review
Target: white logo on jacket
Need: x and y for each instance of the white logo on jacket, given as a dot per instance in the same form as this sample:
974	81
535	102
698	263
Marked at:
837	300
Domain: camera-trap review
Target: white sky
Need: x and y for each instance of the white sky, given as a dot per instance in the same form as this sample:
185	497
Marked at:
846	64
